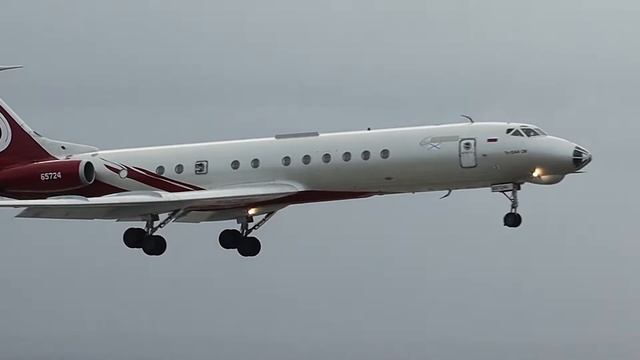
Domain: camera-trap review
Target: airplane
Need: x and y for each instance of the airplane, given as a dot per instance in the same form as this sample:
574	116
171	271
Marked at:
245	179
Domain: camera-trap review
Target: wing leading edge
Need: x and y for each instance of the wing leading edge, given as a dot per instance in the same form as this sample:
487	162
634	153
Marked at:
132	205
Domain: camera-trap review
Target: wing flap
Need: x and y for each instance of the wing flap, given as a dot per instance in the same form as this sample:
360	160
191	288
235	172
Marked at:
133	205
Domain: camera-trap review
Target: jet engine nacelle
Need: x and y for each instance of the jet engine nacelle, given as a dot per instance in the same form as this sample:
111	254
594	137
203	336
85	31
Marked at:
48	176
546	179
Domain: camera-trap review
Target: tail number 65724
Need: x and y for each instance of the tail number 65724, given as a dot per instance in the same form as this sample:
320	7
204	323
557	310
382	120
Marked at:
48	176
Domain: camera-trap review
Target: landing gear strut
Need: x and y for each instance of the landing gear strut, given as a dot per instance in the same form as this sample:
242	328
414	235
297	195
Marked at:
510	191
152	245
247	246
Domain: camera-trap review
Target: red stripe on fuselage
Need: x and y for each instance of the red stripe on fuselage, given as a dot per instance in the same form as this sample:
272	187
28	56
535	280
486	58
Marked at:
112	168
161	184
160	177
142	178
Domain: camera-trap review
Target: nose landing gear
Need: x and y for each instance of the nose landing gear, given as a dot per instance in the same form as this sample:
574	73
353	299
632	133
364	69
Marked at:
512	219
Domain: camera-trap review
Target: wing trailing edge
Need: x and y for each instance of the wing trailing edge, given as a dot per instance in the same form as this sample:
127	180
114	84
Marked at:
135	205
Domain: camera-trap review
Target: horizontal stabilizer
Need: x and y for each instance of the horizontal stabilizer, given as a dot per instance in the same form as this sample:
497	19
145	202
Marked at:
10	67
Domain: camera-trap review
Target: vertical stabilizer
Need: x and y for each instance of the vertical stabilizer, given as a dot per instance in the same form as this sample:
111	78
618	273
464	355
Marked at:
17	141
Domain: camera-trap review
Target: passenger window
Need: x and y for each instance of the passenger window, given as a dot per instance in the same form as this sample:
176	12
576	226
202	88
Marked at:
326	158
286	161
516	133
306	159
179	169
346	156
160	170
202	167
365	155
255	163
235	164
384	153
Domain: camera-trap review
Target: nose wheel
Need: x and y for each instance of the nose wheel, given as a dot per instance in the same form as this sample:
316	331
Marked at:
512	219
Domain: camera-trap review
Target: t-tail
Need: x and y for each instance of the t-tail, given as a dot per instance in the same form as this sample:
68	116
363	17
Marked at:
19	144
32	163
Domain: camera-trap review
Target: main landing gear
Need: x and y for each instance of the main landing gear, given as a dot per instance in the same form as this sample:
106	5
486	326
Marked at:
247	246
137	238
512	219
156	245
152	245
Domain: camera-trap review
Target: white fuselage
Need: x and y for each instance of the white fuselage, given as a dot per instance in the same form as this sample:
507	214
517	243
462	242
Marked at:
422	158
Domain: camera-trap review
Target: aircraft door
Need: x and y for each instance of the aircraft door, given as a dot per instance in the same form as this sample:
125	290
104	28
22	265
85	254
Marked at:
468	153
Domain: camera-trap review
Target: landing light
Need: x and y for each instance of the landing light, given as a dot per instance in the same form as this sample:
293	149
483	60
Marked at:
252	211
536	173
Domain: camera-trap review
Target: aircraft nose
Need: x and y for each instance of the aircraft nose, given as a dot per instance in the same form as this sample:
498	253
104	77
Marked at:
581	157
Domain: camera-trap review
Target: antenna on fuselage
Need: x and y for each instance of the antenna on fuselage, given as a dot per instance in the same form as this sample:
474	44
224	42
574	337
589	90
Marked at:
10	67
468	118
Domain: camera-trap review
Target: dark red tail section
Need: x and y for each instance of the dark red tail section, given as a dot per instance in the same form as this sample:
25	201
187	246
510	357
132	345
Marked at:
18	143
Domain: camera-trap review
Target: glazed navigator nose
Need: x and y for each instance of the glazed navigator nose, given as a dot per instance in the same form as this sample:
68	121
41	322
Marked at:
581	157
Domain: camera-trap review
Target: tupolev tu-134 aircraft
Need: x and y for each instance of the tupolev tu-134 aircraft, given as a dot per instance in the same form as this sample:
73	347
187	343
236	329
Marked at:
246	179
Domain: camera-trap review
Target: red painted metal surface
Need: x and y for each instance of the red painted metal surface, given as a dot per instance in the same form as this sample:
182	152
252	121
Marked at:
23	148
47	177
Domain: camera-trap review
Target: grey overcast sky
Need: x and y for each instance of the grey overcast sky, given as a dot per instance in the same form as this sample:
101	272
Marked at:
398	277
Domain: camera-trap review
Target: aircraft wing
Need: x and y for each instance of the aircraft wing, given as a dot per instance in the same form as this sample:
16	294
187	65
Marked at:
138	204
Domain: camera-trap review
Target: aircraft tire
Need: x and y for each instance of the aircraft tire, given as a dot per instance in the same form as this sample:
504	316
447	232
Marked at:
229	239
249	246
133	237
512	220
154	245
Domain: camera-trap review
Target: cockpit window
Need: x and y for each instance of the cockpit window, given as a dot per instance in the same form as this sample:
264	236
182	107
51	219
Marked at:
529	132
526	131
